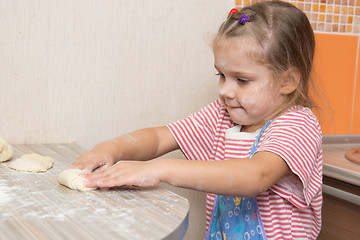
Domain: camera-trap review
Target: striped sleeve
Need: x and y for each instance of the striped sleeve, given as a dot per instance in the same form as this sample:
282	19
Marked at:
195	134
296	137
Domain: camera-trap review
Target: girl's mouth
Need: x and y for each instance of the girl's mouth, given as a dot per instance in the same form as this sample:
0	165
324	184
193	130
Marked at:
233	106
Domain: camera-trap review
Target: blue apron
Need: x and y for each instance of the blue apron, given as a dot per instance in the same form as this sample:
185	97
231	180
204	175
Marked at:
236	217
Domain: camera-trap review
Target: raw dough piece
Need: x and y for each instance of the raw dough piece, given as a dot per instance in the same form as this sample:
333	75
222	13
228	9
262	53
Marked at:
6	151
71	179
32	162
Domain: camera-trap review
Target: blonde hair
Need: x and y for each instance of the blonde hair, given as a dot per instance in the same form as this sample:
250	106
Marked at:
286	37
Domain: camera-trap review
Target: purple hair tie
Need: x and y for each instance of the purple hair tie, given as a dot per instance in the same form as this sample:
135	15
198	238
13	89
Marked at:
244	19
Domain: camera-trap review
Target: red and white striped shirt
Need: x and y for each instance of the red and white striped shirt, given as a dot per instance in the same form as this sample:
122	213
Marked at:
291	208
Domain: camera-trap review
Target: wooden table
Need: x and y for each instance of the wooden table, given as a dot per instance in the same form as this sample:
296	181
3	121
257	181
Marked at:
35	206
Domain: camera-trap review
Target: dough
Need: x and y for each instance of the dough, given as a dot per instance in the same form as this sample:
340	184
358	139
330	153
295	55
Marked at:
71	179
32	162
6	151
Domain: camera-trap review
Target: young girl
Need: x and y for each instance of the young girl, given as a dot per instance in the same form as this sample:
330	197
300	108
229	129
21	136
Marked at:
258	148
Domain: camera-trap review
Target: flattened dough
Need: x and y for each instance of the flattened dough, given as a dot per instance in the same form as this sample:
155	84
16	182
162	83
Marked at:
32	162
71	179
6	151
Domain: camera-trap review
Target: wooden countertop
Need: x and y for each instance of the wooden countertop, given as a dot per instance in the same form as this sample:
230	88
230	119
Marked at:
335	163
35	206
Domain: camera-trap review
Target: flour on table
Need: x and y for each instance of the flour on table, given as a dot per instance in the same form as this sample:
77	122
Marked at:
32	162
6	151
71	179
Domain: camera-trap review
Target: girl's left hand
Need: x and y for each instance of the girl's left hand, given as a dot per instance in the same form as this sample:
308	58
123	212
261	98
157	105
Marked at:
125	173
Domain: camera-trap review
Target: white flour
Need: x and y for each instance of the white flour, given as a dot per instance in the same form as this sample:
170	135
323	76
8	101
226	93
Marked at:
6	194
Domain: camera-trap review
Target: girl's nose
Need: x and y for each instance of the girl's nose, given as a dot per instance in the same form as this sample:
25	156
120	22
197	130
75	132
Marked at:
226	89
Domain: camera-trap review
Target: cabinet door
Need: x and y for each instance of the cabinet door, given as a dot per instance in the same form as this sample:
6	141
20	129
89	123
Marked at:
340	218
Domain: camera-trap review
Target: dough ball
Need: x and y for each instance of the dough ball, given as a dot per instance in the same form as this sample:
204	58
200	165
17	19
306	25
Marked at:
6	151
32	162
71	179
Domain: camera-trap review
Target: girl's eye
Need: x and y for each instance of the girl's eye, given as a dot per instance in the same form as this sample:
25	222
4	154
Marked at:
220	75
243	81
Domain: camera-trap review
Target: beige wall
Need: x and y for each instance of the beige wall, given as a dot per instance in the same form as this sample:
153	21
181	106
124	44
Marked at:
86	70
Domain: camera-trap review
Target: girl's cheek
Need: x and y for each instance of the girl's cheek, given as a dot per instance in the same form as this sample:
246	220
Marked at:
249	100
221	99
221	91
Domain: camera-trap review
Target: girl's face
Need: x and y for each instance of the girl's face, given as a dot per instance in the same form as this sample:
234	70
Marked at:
247	88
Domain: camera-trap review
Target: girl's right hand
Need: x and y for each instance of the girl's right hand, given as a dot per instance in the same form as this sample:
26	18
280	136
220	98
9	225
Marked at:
93	160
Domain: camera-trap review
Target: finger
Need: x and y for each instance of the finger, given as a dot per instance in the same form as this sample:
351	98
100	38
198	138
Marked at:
89	162
114	175
104	181
99	174
86	166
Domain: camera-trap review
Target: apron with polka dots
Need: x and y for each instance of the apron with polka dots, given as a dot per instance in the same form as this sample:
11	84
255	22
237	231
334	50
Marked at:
237	217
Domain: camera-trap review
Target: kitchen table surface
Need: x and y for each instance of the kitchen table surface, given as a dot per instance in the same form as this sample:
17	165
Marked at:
36	206
335	163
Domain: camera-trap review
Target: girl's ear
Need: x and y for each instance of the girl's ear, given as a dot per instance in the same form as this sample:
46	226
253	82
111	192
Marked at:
290	81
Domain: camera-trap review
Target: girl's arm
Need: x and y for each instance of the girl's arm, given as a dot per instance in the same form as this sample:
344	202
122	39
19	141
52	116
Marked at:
142	144
236	177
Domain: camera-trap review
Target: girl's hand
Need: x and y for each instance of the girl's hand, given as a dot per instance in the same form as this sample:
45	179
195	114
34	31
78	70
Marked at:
93	160
126	173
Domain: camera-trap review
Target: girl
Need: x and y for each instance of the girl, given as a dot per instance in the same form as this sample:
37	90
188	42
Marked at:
258	147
